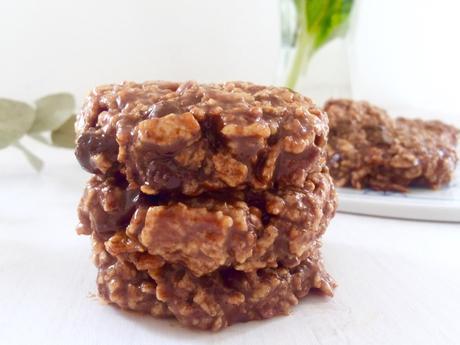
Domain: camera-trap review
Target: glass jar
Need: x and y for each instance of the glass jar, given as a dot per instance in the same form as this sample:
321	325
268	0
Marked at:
325	73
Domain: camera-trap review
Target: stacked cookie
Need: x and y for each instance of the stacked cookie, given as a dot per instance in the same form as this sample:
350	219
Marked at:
207	201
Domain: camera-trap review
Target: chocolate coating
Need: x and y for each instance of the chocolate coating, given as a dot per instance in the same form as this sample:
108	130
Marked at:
217	300
192	138
368	148
247	230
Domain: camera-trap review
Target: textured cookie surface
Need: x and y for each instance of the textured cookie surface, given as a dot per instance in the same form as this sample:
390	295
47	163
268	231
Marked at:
198	137
368	148
245	230
143	283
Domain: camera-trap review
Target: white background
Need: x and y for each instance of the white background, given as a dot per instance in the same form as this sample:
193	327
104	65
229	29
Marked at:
405	55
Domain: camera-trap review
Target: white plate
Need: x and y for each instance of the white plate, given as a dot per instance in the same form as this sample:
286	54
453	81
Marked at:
420	204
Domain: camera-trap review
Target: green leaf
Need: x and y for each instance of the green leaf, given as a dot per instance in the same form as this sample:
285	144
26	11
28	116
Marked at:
53	111
324	18
36	162
15	120
64	136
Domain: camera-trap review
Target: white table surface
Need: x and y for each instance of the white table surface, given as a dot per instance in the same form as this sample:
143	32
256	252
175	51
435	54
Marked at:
398	280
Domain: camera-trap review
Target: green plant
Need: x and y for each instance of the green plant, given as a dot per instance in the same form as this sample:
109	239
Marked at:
318	21
53	114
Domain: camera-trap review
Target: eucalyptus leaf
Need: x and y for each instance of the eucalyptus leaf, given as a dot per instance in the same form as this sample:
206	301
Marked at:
36	162
15	120
52	111
64	136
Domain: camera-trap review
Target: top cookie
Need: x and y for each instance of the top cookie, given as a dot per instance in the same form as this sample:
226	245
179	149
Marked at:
368	148
191	138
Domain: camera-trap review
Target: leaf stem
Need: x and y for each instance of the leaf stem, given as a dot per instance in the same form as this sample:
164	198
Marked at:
303	53
40	138
303	47
35	161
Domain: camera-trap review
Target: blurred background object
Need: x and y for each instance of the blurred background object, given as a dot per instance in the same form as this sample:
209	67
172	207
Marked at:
399	55
307	26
